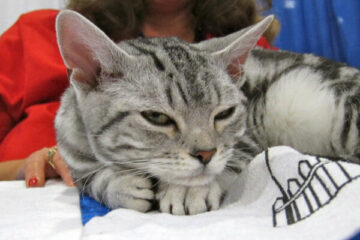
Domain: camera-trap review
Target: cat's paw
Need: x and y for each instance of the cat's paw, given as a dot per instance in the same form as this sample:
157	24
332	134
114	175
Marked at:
129	191
202	199
181	200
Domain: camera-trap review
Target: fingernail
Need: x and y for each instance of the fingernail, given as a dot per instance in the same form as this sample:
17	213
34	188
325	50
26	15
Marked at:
32	182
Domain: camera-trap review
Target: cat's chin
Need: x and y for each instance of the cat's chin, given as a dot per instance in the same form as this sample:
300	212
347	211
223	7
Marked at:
200	180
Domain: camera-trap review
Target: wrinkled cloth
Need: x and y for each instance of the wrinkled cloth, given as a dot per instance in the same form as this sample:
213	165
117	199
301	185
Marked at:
282	194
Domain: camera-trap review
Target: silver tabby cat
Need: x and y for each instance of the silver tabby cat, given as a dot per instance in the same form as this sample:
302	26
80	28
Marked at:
192	116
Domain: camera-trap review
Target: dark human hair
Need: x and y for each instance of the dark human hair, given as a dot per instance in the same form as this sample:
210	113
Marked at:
122	19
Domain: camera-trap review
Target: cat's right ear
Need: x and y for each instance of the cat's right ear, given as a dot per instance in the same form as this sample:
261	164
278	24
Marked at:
85	49
232	50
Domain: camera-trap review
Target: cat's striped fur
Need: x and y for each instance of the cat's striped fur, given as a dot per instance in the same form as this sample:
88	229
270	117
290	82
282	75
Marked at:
159	107
304	101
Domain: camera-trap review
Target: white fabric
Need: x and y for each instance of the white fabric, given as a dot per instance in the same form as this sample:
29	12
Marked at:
331	188
50	213
10	10
254	209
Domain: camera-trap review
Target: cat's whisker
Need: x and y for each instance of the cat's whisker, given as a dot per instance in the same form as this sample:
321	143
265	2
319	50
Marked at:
132	171
139	161
87	177
245	149
231	171
90	173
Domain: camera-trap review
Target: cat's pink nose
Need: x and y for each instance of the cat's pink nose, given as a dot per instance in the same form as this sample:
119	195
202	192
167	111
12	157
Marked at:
204	156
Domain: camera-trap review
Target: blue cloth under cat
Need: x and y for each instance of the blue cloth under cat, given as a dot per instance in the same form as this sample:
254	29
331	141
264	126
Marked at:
91	208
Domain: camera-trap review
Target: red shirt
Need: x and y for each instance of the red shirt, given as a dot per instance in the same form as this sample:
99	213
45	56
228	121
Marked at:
32	80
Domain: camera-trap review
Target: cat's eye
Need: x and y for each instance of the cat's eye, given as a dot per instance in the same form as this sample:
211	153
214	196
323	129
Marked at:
225	114
157	118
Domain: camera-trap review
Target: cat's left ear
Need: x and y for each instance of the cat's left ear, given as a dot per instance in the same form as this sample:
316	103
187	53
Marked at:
233	49
87	51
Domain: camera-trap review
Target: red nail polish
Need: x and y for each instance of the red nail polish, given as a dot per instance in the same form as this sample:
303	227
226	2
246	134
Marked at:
32	181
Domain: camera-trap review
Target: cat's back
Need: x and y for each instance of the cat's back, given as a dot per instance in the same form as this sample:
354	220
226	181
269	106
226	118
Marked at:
271	65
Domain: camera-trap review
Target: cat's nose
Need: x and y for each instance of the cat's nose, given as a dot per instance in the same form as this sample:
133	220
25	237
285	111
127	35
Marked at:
204	156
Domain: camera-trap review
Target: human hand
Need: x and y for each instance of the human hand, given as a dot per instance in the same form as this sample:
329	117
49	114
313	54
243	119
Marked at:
37	168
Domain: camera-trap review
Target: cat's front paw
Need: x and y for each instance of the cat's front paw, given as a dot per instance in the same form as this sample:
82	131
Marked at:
181	200
129	191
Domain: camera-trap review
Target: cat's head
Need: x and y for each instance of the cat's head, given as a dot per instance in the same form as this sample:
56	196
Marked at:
160	105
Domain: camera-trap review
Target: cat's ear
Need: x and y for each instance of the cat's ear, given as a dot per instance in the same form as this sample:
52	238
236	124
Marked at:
233	49
85	49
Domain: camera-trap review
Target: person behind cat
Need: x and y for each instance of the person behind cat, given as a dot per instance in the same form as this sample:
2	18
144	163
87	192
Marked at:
33	76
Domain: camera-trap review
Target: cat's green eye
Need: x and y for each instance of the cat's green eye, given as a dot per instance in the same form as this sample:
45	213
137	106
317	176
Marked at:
225	114
157	118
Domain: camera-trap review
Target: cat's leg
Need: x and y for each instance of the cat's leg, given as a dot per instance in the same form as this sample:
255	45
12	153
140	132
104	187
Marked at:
181	200
116	189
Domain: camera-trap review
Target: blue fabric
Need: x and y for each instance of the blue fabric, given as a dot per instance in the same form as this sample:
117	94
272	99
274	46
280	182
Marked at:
356	237
329	28
91	208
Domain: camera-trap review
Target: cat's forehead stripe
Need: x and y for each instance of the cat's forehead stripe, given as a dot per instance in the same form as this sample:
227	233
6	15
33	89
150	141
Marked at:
217	92
114	120
182	93
183	60
168	93
157	62
191	68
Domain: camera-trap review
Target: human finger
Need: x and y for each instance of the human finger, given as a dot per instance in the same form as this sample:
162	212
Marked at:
62	169
35	168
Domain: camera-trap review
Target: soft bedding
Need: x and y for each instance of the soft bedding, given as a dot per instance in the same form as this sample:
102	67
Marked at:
51	212
282	194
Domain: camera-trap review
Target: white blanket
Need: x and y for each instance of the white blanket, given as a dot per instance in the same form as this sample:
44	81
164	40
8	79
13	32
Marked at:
49	213
281	195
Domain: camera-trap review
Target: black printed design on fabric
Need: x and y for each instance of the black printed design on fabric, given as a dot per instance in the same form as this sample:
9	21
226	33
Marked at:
317	184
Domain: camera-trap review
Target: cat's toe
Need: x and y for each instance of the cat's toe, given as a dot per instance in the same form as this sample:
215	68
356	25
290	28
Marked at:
195	201
132	192
171	199
203	198
140	205
214	197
